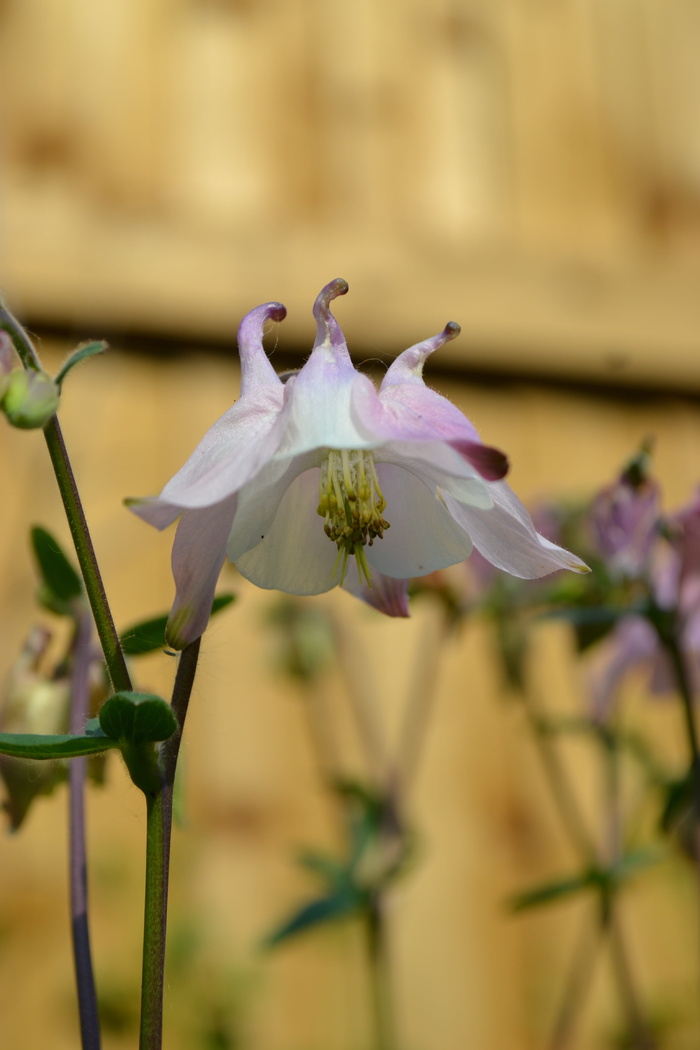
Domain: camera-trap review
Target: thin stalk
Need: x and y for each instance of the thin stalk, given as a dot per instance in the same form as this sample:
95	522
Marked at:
641	1038
379	976
419	703
680	671
20	340
559	784
77	523
85	981
577	984
158	836
109	639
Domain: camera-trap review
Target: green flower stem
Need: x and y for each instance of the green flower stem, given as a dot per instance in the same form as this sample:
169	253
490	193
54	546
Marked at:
109	639
158	835
380	976
20	340
572	819
578	984
82	957
559	783
68	489
675	654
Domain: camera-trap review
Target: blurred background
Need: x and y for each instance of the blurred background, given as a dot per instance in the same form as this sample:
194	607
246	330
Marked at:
528	168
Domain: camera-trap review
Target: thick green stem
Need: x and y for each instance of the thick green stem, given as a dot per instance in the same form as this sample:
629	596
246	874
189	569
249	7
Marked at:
154	925
158	835
379	976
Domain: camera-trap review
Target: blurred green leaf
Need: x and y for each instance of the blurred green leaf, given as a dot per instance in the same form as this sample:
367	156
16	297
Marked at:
149	635
61	583
554	891
137	718
345	902
37	746
603	879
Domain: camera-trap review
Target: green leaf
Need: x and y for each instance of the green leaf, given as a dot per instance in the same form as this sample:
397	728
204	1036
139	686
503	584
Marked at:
335	906
36	746
82	352
604	879
552	891
149	635
137	718
61	582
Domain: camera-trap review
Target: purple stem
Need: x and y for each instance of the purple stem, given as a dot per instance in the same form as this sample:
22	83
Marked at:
85	981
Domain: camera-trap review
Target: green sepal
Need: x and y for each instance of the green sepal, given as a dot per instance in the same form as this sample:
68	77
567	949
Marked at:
38	746
149	635
61	585
137	718
81	353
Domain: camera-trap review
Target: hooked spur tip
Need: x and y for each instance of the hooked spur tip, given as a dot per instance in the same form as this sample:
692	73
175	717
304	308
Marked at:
451	331
331	291
276	312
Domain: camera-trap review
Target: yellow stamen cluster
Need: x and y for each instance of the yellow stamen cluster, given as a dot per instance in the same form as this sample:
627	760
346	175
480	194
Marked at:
352	504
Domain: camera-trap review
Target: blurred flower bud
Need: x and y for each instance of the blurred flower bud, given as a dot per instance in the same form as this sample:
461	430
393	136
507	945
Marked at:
625	518
30	399
6	362
31	703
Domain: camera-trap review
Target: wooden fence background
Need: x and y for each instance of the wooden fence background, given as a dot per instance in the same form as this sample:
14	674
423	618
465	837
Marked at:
530	168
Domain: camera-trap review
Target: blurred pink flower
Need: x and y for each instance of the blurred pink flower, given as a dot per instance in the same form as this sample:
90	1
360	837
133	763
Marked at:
634	642
624	523
399	476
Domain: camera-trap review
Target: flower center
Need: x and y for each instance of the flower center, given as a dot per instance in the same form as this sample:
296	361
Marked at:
352	503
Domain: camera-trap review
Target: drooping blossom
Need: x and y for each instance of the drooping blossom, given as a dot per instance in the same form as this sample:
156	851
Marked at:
671	576
624	519
299	479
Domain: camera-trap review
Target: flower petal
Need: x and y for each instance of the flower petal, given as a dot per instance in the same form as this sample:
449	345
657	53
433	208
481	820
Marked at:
295	556
319	400
259	501
199	551
407	410
423	536
387	595
506	536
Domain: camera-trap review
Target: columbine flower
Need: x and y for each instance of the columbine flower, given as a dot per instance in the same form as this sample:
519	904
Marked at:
672	580
300	479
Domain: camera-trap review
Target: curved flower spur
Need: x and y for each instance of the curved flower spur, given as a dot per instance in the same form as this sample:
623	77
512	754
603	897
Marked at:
298	480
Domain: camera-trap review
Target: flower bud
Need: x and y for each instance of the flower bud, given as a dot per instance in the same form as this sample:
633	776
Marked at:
30	399
31	703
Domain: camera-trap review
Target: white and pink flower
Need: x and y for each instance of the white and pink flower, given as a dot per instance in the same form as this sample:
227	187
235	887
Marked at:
298	478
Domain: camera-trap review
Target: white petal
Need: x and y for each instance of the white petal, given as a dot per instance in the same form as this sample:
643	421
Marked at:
232	451
259	500
507	538
319	410
199	551
438	465
423	536
295	556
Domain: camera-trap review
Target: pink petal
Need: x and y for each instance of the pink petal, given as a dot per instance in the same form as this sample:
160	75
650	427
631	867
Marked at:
387	595
199	551
507	538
